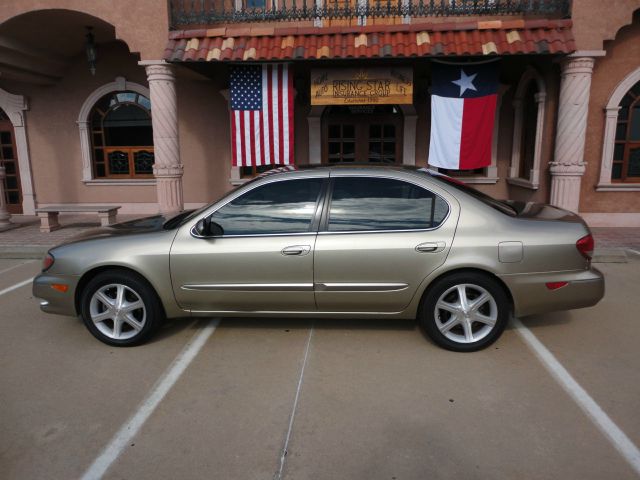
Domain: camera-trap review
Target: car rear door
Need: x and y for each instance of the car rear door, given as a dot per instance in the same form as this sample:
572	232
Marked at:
264	259
380	237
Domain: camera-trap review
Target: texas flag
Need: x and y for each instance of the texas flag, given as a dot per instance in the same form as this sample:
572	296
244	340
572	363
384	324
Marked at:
463	106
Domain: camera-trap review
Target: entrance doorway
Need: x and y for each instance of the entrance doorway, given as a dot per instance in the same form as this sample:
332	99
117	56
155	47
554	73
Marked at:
362	134
9	159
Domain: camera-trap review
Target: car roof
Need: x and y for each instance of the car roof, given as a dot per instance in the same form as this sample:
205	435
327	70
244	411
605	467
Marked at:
359	167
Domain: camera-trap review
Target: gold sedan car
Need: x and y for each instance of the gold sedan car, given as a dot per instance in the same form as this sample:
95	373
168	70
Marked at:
331	242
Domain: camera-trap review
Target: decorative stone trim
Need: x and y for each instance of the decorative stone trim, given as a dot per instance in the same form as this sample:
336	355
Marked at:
588	53
4	214
128	183
619	187
409	134
523	182
164	118
314	119
611	116
118	85
479	179
234	178
515	178
15	107
565	185
492	170
568	165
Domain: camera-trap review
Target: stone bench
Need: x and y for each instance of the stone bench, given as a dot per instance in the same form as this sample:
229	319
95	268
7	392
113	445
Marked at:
49	215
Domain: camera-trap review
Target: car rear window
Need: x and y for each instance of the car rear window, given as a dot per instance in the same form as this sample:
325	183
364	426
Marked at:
499	205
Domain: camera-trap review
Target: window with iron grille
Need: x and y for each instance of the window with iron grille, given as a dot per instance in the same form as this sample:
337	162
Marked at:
626	152
121	136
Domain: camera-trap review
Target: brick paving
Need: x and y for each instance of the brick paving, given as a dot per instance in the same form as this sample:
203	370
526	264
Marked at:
628	237
28	232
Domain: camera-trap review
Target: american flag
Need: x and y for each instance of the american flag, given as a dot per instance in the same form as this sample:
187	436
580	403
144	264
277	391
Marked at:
261	115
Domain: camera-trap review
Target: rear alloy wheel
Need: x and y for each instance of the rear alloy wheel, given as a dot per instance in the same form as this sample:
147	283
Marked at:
465	312
121	309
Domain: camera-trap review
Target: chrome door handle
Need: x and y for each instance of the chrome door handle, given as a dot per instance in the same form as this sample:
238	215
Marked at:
430	247
296	250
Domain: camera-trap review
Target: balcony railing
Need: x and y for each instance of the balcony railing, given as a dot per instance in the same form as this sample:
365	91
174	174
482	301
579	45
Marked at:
208	12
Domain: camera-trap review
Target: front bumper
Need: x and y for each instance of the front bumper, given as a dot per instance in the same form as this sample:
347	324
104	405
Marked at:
54	301
531	296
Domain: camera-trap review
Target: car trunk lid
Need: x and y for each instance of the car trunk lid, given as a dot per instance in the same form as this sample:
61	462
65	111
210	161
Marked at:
543	212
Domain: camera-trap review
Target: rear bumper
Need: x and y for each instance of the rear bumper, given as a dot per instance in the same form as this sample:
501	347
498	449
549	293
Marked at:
531	296
54	301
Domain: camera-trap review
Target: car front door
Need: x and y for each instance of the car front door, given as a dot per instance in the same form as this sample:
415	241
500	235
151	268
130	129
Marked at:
381	237
262	261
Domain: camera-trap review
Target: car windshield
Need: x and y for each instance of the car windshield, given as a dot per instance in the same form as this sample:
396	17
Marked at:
499	205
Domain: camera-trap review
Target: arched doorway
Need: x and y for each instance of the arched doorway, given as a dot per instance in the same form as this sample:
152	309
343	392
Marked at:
9	159
51	70
362	134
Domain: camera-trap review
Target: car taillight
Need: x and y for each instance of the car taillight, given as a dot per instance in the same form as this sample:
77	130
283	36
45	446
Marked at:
585	246
47	262
556	285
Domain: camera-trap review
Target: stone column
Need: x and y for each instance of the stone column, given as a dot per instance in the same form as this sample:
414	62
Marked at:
410	118
568	165
314	118
516	144
164	117
4	214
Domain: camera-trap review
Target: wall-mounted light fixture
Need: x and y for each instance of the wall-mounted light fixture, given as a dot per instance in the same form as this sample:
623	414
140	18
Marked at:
90	48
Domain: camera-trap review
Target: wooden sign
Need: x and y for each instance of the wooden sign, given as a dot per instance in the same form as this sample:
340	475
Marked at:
362	86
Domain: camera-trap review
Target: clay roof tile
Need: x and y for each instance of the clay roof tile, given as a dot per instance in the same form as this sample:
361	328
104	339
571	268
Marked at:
426	39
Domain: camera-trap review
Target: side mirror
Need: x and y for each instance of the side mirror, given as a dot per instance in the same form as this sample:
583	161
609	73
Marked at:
215	229
205	228
199	229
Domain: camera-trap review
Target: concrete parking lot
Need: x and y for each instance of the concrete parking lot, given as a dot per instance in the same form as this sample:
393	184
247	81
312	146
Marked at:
303	399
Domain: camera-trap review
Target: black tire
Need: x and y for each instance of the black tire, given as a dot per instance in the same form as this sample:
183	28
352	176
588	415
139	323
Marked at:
136	323
455	338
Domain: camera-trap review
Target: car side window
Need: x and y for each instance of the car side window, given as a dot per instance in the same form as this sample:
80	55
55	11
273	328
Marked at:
279	207
362	204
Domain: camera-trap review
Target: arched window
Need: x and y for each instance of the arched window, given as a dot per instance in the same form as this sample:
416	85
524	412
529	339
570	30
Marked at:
121	136
620	165
626	151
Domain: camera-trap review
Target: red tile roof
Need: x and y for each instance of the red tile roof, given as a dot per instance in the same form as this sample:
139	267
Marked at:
495	37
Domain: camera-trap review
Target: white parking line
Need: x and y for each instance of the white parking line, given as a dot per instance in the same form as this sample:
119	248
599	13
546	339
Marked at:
16	266
129	430
633	251
16	286
283	453
616	436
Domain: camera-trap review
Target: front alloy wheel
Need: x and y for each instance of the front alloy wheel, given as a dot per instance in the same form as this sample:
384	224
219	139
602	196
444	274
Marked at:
120	308
117	311
465	311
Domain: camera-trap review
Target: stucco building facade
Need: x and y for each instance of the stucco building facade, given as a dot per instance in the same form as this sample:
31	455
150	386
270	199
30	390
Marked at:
149	129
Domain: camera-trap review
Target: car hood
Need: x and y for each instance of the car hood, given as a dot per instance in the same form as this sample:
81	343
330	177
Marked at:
141	225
